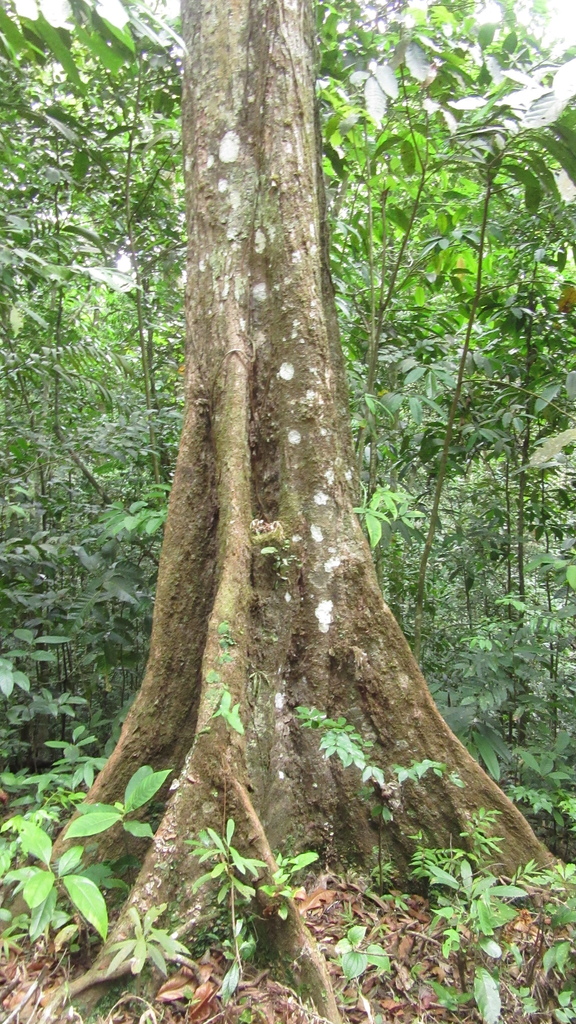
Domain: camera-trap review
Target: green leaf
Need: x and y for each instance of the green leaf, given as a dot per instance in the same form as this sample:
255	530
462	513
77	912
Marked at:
36	842
6	680
488	755
38	887
70	860
487	996
356	934
571	576
140	829
88	899
41	916
373	528
490	947
146	787
60	51
354	964
441	877
91	824
230	983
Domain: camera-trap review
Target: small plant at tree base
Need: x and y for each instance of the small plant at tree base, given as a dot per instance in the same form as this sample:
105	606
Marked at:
356	957
147	943
209	846
281	890
41	886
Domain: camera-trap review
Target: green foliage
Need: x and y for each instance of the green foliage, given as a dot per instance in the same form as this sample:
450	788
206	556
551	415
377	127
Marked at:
147	943
356	957
43	886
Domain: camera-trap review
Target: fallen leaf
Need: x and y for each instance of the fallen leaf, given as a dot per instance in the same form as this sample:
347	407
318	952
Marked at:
174	987
318	899
405	947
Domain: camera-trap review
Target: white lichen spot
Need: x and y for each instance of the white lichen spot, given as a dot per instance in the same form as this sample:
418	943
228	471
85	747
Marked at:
279	701
297	257
312	229
222	185
329	475
313	249
229	148
188	163
174	785
324	615
259	240
321	498
289	147
271	232
323	432
202	266
242	324
316	534
348	475
294	436
259	292
235	199
281	775
296	538
286	371
332	564
287	597
310	395
301	341
251	98
225	289
209	162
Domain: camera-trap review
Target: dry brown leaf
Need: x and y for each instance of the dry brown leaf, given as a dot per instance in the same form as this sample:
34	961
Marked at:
174	987
204	1003
317	899
405	947
403	981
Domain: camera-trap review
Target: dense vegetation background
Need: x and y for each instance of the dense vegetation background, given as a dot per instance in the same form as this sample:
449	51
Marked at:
450	164
450	169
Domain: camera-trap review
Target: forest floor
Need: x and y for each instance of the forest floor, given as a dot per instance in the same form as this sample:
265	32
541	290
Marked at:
421	980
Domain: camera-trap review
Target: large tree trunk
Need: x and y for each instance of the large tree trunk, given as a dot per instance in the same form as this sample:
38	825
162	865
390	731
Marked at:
266	460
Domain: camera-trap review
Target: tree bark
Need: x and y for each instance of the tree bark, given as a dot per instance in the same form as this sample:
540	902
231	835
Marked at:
266	460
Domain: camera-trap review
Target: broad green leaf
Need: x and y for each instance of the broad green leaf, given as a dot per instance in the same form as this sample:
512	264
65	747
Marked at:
142	773
490	947
145	789
88	899
485	917
41	916
37	888
488	754
35	841
571	576
354	964
140	829
374	528
356	934
230	983
441	877
487	996
70	860
92	824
